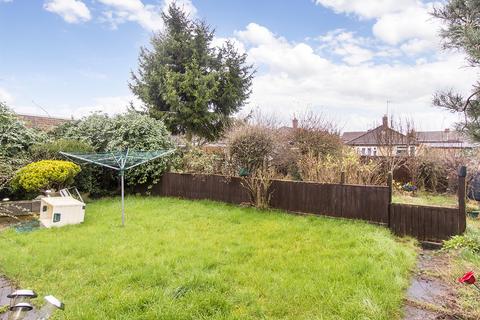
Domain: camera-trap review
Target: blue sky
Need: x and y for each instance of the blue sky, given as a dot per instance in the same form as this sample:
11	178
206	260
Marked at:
342	58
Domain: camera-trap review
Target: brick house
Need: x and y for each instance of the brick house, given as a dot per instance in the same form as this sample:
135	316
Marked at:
385	141
381	141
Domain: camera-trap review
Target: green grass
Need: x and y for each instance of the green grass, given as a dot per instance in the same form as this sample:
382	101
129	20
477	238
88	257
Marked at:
428	199
465	259
432	199
179	259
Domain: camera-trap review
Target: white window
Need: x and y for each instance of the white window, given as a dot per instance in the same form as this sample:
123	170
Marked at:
369	151
401	150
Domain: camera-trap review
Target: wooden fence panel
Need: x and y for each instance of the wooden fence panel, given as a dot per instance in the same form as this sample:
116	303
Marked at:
424	222
190	186
369	203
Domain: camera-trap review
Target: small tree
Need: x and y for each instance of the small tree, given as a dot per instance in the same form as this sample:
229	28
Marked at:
390	137
258	185
250	146
45	174
461	31
15	138
252	149
187	82
316	135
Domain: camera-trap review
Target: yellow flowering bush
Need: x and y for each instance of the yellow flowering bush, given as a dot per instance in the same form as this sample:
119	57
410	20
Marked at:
45	174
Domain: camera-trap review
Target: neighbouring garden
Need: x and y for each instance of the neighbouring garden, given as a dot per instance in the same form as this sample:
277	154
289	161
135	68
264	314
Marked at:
179	259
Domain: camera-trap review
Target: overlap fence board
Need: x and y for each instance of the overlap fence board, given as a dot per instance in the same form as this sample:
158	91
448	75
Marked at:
424	222
212	187
347	201
369	203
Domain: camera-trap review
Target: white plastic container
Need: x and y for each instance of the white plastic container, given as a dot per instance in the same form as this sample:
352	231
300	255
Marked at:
61	211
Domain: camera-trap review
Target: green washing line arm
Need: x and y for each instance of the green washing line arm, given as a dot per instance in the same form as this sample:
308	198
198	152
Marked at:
69	155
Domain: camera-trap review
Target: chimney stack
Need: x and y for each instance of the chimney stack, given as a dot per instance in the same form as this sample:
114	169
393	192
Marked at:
385	121
294	122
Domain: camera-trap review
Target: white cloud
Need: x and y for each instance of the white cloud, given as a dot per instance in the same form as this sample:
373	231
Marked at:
294	77
353	50
406	23
72	11
148	16
297	60
367	9
256	34
110	105
354	54
412	23
417	46
5	96
219	42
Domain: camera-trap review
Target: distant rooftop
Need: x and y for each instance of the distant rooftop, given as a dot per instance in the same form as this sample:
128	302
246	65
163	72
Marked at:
44	123
440	139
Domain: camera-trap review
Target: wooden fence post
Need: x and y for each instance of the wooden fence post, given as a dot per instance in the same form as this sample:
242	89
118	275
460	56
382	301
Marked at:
342	177
462	190
390	193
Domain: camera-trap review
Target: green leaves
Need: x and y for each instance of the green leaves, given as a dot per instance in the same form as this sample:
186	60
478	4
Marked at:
15	138
461	31
129	130
186	81
251	146
45	174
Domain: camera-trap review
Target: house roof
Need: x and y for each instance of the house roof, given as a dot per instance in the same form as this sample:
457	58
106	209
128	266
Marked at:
440	136
44	123
348	136
381	135
441	139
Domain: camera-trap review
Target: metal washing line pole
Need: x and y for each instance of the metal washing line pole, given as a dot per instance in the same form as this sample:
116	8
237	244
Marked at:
120	161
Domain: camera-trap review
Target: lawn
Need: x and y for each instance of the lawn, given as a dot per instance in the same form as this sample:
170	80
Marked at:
433	199
179	259
426	198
